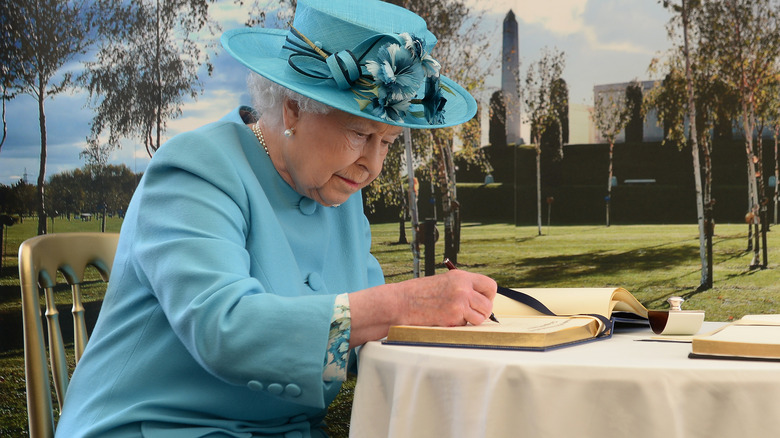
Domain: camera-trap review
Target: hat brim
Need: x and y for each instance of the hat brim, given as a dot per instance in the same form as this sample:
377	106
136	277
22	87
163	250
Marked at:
258	49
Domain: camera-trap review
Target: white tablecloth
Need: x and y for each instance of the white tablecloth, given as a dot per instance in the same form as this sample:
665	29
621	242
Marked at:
614	387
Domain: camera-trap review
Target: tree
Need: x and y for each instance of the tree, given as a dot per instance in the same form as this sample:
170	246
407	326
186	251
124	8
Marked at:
22	199
389	189
710	105
635	126
459	34
149	63
553	137
10	54
540	110
610	115
497	128
92	189
772	116
48	34
684	9
743	38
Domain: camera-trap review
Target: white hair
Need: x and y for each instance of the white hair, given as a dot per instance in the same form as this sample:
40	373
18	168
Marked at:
268	97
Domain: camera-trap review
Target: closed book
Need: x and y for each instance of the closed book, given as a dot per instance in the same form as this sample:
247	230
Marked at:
751	337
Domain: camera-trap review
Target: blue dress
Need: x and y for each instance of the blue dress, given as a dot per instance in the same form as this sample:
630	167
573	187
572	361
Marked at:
217	314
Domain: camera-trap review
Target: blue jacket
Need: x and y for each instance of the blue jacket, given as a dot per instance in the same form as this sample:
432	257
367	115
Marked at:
217	314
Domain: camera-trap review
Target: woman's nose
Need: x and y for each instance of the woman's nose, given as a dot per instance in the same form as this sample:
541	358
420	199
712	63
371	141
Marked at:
373	156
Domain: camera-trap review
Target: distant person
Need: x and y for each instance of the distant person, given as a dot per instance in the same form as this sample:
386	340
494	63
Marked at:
243	280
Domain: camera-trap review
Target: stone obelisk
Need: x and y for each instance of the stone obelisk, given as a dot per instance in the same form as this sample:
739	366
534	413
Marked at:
510	79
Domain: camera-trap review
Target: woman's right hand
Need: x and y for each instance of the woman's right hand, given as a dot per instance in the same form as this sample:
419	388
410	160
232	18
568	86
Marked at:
456	297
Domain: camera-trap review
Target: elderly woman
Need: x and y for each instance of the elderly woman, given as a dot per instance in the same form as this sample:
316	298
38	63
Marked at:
243	279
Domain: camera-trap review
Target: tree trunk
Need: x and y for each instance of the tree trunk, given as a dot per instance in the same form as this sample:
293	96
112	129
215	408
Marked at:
413	213
159	82
756	261
777	173
695	152
449	203
402	231
42	169
539	185
609	179
709	205
748	126
402	216
5	125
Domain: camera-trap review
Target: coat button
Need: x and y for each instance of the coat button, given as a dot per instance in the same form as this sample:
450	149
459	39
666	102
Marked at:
307	206
315	281
275	388
292	390
254	385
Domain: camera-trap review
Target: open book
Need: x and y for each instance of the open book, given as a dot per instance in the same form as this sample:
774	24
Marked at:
522	327
751	337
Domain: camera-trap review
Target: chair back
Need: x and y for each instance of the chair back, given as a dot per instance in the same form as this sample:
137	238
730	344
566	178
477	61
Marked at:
40	258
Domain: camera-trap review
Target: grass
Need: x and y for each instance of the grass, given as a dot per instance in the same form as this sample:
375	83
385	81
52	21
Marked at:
653	262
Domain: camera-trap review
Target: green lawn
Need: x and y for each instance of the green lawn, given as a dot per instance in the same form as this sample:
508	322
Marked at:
653	262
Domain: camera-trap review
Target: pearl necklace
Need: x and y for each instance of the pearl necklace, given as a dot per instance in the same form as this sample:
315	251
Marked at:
259	134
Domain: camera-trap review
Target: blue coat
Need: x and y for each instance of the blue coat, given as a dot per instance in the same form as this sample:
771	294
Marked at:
217	315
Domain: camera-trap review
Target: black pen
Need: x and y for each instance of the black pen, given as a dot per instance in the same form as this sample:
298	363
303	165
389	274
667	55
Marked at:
452	266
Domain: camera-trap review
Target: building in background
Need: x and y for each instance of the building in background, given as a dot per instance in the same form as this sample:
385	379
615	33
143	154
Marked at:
581	127
649	126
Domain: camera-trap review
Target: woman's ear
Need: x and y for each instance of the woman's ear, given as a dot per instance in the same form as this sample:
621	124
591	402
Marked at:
291	112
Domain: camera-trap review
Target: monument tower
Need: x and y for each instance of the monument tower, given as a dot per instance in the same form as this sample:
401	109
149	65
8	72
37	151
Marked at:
510	79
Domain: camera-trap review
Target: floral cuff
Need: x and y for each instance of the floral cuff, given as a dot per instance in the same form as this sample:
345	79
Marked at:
337	354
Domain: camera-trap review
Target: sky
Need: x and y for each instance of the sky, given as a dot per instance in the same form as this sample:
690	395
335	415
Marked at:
604	41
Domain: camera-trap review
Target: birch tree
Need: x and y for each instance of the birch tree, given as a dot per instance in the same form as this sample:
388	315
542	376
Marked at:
772	115
743	38
47	35
610	114
459	32
539	108
676	102
10	54
151	59
684	9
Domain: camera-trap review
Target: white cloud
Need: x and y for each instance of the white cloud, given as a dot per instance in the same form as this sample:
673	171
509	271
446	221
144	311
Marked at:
564	18
208	108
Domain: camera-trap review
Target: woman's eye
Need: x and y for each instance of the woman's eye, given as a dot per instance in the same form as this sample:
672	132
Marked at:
389	142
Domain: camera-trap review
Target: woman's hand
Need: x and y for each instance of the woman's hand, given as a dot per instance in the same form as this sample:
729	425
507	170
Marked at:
453	298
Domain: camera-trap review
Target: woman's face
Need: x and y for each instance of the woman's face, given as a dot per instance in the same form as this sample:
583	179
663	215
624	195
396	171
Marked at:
332	156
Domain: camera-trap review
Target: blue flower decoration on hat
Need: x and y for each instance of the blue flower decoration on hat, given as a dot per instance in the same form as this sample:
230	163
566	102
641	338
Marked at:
385	86
397	73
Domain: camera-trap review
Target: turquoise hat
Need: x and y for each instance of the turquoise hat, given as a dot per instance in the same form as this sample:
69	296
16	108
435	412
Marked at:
365	57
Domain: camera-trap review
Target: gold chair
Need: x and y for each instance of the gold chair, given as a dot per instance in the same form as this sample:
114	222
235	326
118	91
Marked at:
39	260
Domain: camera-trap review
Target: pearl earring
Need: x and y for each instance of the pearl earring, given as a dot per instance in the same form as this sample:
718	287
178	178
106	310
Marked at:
289	132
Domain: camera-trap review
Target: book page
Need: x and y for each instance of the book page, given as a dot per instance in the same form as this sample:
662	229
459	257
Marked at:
530	324
572	301
759	320
752	334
